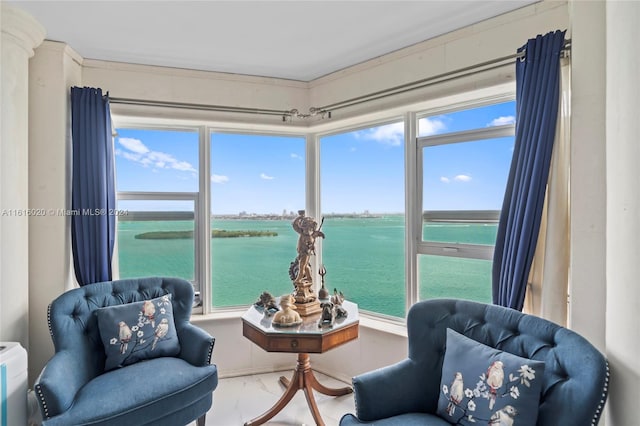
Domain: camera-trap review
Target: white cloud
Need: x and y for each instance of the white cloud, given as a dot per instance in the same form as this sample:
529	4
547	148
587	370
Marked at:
457	178
296	156
134	145
219	178
501	121
462	178
137	151
184	166
430	126
266	176
128	155
161	157
390	134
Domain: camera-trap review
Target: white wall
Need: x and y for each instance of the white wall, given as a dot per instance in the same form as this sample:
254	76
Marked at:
194	87
588	180
623	209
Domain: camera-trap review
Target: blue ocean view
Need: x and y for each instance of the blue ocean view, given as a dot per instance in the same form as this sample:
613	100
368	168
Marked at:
364	258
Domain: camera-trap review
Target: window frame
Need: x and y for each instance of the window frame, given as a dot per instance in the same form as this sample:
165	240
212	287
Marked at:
316	210
209	131
136	123
450	249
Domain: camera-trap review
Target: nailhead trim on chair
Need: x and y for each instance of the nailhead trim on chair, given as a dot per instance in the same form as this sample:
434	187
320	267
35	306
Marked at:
42	401
38	388
210	352
49	320
355	396
605	391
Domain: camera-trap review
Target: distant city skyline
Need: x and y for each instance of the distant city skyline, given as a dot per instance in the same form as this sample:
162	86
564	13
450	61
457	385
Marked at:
360	170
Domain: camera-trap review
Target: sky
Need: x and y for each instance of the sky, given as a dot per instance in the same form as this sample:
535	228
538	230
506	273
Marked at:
360	170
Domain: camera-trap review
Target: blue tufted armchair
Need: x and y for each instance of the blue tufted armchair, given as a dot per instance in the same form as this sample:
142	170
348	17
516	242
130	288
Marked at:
574	383
74	389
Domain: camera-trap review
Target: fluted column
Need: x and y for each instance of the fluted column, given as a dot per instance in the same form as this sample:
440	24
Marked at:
20	35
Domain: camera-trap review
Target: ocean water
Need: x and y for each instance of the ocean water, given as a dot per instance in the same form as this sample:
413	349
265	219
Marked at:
363	256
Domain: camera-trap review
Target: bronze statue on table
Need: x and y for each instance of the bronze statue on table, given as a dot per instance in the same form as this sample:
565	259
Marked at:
300	269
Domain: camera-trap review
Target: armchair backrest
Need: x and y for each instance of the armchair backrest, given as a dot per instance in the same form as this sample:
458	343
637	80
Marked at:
73	324
575	381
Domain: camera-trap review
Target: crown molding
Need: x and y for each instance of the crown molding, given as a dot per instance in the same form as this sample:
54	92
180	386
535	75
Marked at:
21	28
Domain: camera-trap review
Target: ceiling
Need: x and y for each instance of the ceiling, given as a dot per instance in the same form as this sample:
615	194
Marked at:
298	40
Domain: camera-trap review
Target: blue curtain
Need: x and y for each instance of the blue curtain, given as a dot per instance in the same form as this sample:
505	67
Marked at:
93	196
537	91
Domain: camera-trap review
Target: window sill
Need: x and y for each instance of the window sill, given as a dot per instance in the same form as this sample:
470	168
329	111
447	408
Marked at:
374	322
221	315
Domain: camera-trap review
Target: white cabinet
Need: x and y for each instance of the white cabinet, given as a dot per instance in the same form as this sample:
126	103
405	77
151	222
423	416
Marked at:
13	384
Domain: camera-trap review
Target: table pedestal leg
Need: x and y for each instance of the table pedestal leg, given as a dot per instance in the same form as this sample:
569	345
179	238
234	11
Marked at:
303	378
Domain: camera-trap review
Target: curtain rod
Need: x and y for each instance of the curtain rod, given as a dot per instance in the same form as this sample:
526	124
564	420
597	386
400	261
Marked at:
325	111
183	105
441	78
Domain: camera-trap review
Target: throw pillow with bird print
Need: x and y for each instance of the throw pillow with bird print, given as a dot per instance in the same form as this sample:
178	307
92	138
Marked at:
481	385
137	331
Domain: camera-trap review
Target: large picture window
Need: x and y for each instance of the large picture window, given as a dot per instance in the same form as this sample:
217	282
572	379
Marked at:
257	187
362	199
216	207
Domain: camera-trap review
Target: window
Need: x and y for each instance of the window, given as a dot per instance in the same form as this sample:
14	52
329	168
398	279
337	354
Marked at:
464	158
257	187
157	189
362	199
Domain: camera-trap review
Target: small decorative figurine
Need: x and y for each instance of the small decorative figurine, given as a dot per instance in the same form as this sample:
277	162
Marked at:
328	315
288	315
323	293
267	303
337	297
337	300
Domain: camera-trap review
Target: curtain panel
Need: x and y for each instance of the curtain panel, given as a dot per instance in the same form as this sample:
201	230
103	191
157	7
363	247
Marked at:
537	98
93	186
548	288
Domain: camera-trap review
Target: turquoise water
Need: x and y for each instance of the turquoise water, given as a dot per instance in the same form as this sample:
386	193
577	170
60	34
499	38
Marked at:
364	258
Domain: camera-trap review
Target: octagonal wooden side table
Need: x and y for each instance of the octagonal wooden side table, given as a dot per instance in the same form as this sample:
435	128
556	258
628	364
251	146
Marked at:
302	339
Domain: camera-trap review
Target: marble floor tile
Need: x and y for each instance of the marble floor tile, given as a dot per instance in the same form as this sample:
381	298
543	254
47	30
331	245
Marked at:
239	399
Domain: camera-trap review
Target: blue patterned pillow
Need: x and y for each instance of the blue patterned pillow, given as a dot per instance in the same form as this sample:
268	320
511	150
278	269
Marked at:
136	331
481	385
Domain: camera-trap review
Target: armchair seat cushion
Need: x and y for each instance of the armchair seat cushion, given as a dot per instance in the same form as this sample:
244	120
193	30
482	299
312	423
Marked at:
139	394
407	419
